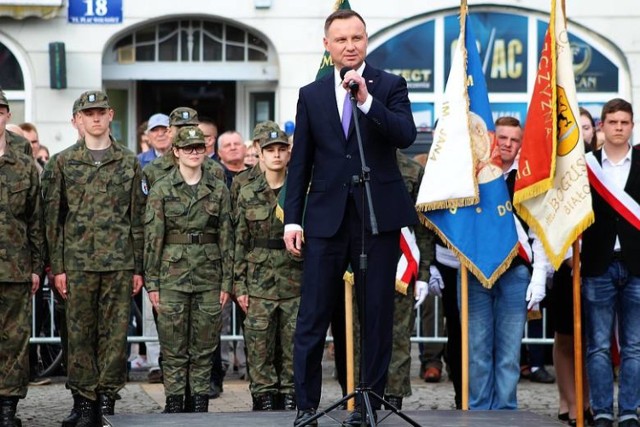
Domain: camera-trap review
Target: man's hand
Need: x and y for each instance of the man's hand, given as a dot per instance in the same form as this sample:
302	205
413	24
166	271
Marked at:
154	298
224	298
436	284
353	76
536	289
138	282
421	291
60	281
35	283
293	242
243	302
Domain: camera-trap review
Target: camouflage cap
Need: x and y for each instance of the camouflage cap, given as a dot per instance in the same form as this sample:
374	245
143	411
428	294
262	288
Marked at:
188	135
93	99
274	137
3	99
183	116
262	128
76	105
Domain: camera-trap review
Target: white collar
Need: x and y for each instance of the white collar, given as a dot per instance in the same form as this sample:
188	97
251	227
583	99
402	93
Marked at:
624	159
336	73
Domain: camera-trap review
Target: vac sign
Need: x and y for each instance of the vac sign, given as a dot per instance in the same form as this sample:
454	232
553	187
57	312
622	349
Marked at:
95	11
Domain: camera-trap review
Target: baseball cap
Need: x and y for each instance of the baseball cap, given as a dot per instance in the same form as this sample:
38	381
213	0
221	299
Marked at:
274	137
188	135
183	116
158	119
93	99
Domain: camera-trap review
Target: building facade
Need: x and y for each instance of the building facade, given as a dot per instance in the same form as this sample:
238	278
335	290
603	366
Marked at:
242	61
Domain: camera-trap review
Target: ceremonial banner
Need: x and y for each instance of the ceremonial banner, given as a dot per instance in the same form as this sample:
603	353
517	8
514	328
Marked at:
552	187
463	196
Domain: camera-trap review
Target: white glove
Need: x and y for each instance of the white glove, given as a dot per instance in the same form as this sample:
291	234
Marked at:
436	284
537	288
422	290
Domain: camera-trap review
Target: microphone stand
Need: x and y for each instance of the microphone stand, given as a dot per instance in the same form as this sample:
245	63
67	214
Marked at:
363	390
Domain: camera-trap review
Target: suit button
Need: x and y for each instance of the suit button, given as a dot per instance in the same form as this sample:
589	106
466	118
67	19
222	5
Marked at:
348	156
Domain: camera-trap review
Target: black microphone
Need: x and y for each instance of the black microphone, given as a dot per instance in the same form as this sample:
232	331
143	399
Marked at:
353	86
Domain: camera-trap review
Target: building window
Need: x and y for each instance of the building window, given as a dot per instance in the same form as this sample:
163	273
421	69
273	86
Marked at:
191	41
10	72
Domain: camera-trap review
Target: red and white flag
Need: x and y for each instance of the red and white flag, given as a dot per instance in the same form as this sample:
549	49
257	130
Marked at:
552	187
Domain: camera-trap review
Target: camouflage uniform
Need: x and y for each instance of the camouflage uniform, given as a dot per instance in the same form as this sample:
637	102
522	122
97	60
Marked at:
398	376
188	259
93	215
21	255
19	143
271	277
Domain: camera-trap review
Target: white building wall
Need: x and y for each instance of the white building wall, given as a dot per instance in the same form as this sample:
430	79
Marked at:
294	27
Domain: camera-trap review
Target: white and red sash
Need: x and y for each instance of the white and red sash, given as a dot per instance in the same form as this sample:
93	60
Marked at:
617	198
407	269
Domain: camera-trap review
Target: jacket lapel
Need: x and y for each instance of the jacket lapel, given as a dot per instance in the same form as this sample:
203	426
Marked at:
327	99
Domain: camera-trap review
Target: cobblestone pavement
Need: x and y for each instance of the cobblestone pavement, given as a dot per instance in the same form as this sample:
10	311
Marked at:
48	405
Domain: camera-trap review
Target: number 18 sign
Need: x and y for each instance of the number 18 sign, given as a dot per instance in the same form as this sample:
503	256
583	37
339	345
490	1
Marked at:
95	11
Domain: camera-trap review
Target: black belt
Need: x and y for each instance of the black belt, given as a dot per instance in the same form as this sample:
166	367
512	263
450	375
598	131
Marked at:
269	243
191	239
617	255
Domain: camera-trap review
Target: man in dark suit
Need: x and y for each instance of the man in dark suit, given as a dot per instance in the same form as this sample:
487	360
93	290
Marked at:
324	160
610	268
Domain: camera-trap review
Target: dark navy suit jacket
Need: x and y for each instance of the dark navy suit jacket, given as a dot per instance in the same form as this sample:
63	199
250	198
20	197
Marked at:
324	161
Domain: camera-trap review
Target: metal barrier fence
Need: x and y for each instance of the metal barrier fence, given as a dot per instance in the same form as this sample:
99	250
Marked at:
48	332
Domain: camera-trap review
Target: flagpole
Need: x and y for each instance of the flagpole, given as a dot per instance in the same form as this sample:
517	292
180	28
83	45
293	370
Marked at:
348	318
464	285
577	335
464	323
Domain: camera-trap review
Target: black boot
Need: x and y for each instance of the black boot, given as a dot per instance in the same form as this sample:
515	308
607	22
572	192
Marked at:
200	403
74	415
107	405
288	401
8	412
173	405
263	402
88	412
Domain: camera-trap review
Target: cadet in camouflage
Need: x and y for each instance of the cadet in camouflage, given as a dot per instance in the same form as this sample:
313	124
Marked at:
21	264
93	214
260	132
267	280
398	376
188	268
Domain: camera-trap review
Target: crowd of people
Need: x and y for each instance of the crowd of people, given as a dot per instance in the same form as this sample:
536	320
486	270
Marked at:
199	220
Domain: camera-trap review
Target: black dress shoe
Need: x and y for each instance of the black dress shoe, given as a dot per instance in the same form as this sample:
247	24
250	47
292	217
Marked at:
541	376
355	418
303	416
633	422
603	422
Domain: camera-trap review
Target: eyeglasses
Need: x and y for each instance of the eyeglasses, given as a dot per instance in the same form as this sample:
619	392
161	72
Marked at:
191	149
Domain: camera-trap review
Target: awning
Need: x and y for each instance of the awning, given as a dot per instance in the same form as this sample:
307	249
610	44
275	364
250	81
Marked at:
21	9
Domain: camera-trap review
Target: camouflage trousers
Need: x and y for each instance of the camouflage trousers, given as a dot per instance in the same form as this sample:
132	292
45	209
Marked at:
98	307
15	329
399	374
431	354
188	330
268	322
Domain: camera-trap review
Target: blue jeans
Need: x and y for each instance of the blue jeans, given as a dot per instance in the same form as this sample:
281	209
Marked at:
496	324
615	293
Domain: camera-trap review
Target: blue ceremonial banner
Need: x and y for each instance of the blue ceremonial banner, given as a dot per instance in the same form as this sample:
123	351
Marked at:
481	233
